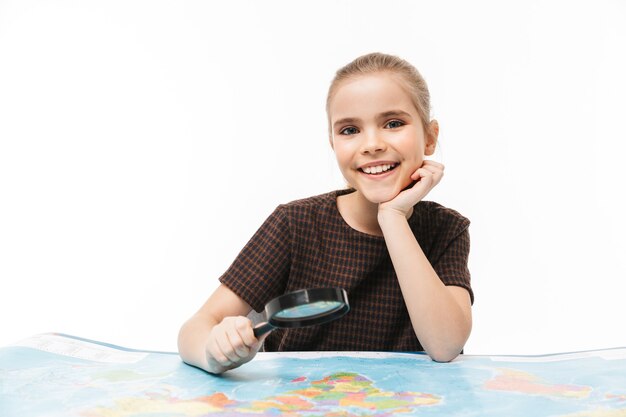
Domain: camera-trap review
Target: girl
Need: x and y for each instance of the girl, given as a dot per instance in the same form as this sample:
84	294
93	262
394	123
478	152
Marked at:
403	261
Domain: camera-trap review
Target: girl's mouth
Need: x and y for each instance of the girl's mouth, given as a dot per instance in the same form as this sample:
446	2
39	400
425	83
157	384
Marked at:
378	169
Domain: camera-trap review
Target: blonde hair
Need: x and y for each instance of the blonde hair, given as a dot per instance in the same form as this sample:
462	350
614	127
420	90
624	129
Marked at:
376	62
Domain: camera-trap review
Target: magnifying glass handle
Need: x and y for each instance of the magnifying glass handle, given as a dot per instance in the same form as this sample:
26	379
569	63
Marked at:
262	329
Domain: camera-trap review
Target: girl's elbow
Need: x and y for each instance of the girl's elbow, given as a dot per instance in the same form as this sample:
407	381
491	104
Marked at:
443	357
444	354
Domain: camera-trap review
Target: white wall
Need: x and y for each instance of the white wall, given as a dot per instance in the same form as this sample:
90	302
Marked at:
143	142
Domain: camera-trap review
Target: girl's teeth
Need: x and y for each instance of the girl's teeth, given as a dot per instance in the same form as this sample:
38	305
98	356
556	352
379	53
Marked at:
378	169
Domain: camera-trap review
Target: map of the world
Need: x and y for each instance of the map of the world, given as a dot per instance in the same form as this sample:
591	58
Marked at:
55	375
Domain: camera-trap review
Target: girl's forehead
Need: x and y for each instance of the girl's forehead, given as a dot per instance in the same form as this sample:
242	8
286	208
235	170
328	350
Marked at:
365	93
364	82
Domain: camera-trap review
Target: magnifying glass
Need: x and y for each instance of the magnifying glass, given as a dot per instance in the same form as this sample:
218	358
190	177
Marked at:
304	308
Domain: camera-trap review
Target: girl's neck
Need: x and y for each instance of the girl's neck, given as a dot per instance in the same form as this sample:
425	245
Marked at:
360	213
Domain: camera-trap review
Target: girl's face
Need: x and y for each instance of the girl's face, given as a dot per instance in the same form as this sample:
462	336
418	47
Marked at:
377	135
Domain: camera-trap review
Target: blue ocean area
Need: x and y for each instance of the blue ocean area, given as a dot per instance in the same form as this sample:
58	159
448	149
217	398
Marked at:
35	382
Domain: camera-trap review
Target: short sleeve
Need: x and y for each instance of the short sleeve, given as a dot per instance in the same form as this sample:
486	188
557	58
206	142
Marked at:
452	264
260	271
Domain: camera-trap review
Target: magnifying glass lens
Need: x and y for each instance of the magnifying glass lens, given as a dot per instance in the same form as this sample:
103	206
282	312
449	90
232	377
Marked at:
307	307
308	310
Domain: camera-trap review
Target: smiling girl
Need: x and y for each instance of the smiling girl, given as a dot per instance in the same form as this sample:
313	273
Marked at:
402	261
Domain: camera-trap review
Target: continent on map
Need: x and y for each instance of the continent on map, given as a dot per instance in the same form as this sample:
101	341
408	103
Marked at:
600	412
355	394
513	380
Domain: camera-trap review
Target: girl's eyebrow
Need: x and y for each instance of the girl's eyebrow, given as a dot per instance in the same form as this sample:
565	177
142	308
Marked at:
394	113
346	120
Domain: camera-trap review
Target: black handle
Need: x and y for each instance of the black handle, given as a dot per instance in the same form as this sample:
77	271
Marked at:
262	329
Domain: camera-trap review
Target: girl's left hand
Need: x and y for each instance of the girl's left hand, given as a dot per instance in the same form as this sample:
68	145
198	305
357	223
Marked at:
426	177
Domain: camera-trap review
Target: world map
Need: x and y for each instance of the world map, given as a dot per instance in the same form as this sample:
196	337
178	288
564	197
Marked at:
57	375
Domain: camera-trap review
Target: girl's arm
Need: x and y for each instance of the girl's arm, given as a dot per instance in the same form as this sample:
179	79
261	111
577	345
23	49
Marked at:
219	337
441	315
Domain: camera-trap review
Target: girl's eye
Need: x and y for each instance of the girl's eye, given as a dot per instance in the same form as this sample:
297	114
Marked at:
349	131
394	124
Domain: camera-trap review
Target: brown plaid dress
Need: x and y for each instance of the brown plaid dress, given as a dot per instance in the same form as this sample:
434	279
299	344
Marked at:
307	244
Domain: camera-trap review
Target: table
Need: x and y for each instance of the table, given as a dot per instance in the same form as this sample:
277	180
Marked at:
58	375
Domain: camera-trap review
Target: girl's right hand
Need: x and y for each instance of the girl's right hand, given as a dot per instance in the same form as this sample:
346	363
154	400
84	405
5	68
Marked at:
231	343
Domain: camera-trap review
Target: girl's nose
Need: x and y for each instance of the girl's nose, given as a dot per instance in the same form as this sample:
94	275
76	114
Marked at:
372	143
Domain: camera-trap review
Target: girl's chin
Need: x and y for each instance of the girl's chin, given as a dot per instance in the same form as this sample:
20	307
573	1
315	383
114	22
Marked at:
380	196
377	195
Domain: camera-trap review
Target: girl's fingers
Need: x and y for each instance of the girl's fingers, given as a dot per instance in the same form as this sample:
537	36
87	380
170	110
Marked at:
233	340
237	344
426	178
432	167
216	354
231	344
421	173
244	327
434	164
428	171
223	343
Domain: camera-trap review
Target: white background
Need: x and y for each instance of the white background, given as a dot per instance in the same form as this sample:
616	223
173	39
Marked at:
143	142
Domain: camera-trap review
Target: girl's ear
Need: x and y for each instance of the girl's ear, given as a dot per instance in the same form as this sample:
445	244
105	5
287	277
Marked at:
330	140
432	133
